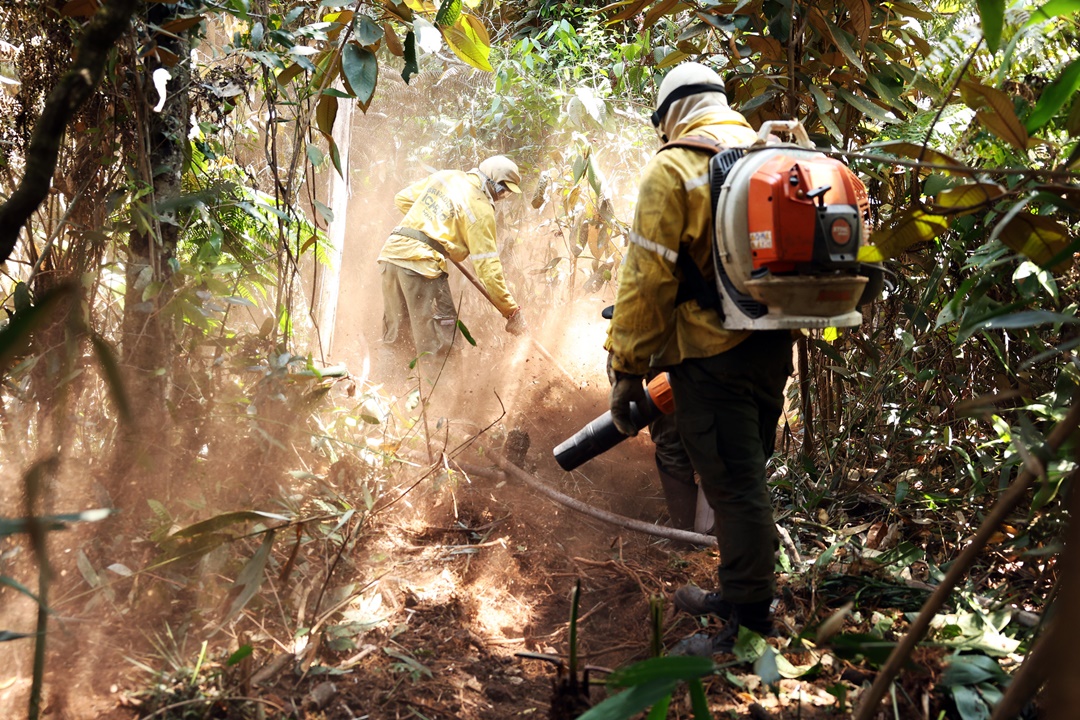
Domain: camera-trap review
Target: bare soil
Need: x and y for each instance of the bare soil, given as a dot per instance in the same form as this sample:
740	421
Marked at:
418	611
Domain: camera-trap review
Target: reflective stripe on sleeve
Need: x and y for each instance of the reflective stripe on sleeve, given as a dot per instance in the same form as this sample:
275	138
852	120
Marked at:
469	213
664	252
696	182
485	256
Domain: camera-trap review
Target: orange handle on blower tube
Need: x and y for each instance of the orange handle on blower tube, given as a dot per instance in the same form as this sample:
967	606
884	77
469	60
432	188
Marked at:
601	435
659	391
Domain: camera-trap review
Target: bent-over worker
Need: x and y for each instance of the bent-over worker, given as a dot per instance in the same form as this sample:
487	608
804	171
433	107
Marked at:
449	214
728	385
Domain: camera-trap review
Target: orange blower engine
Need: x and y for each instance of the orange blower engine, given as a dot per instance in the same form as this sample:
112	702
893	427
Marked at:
601	435
789	222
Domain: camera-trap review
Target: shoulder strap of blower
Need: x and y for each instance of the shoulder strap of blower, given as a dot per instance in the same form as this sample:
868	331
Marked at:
694	286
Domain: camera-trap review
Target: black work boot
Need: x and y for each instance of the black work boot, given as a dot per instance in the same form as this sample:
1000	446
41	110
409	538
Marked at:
694	600
681	498
754	616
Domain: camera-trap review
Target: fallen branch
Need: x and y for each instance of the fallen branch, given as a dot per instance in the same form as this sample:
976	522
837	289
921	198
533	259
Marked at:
520	475
1027	680
918	629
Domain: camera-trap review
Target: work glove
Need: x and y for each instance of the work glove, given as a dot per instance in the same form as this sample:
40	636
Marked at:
515	324
627	389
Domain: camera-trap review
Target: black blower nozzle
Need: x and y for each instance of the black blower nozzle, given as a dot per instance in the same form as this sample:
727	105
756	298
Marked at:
601	435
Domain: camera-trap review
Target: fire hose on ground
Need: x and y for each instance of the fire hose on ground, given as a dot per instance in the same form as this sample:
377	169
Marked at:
513	471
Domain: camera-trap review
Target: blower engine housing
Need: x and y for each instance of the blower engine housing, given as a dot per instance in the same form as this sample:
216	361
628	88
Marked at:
789	224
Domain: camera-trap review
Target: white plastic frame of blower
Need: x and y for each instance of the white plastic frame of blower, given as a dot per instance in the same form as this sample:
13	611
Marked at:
736	262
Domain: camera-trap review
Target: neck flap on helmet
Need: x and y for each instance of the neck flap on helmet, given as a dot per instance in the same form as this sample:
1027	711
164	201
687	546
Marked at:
678	94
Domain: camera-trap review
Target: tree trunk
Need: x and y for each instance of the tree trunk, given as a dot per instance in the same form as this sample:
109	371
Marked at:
148	335
328	278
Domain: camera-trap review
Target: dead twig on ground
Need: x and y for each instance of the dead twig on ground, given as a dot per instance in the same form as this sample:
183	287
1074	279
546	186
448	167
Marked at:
619	567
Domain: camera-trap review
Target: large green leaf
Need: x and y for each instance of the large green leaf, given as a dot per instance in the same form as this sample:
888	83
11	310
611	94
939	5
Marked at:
225	520
1014	321
449	12
969	705
915	151
411	66
469	41
15	336
13	526
1054	96
662	668
968	198
361	72
113	378
674	58
335	155
821	101
971	670
1035	236
629	703
250	578
659	711
1051	10
992	16
8	636
368	32
465	333
865	106
19	587
840	38
699	701
910	227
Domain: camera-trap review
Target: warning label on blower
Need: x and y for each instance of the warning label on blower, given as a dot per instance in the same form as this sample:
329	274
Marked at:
761	240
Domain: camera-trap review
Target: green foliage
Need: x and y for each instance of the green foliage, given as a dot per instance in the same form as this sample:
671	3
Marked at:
974	682
651	683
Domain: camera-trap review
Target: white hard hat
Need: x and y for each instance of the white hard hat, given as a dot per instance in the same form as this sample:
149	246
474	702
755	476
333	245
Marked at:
690	78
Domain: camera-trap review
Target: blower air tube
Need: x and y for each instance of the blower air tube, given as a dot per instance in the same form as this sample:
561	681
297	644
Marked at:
601	435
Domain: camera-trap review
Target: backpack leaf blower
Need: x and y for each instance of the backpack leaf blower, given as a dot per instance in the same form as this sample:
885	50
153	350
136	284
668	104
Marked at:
789	223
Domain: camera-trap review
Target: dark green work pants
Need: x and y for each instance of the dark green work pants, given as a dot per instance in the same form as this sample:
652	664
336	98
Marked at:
726	408
425	305
675	471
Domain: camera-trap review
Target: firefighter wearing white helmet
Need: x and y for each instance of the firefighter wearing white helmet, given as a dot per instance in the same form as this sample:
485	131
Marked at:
449	214
728	385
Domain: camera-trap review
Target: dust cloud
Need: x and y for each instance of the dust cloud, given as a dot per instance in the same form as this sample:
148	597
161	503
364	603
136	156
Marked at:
546	384
549	382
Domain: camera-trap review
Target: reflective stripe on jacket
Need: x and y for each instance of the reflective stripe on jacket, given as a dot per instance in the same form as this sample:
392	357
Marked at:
673	208
450	207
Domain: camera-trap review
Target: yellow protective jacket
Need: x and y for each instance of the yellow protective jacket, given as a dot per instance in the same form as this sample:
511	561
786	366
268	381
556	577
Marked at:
451	208
673	209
